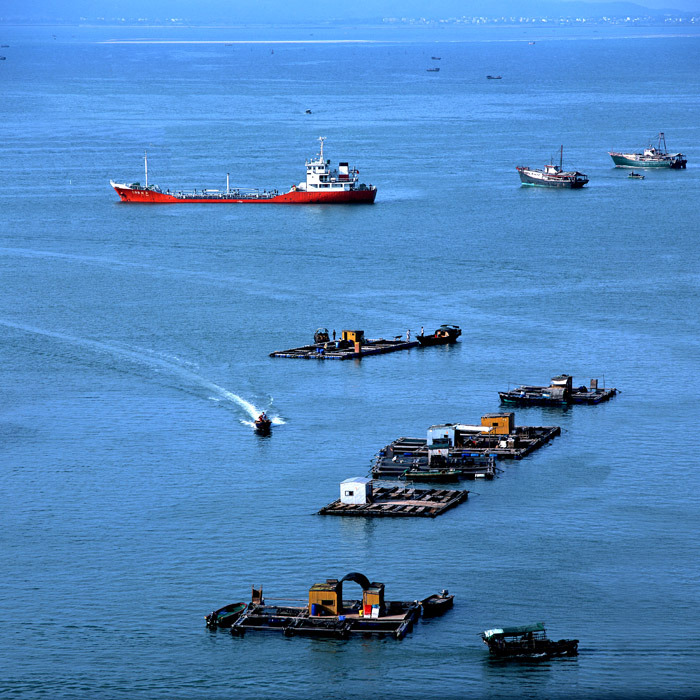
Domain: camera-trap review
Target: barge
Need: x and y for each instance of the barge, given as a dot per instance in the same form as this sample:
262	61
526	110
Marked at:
352	346
323	185
360	497
471	449
560	392
328	614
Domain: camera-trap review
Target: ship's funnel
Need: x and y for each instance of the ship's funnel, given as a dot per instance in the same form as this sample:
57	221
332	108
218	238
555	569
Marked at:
343	171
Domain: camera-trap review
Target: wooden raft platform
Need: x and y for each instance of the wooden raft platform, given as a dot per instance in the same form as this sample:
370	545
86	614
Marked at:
396	621
400	502
412	453
334	350
406	458
593	396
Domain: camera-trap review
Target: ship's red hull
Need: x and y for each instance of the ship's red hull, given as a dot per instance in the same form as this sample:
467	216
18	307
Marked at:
149	196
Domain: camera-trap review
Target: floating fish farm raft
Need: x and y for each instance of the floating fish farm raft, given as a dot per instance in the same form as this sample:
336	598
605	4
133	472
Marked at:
328	615
411	459
469	450
351	346
360	498
560	392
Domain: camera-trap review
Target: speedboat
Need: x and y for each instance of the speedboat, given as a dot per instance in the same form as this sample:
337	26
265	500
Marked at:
263	425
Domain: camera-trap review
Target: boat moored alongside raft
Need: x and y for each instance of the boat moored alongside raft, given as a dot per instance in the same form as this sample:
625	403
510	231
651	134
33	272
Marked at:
560	392
224	617
445	335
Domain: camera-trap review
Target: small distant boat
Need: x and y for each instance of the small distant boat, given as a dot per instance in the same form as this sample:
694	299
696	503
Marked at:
432	70
437	604
308	111
494	77
531	43
552	175
529	641
651	157
636	176
2	58
443	336
226	616
263	425
436	58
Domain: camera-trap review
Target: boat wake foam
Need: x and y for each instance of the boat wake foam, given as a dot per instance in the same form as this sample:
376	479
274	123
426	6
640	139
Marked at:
173	366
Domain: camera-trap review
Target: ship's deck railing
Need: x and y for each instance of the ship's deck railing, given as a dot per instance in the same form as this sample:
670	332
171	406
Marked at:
238	192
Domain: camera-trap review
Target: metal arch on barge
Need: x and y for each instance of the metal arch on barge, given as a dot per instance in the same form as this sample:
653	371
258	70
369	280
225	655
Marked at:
323	185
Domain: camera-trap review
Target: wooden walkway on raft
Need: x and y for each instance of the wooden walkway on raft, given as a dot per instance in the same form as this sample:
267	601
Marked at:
406	458
334	350
390	502
397	621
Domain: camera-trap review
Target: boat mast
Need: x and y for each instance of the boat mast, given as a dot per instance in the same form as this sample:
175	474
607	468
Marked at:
321	139
662	137
145	165
227	186
561	156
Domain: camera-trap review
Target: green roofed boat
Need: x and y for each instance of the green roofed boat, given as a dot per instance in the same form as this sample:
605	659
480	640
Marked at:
527	641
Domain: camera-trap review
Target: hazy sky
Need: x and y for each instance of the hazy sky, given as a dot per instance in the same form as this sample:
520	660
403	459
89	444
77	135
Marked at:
305	10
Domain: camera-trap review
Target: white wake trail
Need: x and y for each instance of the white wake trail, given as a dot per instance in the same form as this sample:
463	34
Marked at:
149	360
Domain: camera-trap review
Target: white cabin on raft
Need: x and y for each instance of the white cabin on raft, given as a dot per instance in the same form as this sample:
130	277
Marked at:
356	491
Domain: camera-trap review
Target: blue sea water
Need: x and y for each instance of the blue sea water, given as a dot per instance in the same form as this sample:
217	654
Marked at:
134	349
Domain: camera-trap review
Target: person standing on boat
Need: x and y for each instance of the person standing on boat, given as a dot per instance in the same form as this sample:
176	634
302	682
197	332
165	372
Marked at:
408	335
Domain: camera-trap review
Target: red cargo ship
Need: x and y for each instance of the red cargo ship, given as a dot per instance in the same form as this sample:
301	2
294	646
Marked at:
323	185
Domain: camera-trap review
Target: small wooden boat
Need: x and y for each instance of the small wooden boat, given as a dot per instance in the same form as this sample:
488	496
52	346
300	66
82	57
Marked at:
263	425
432	70
437	604
493	77
438	475
528	641
444	335
636	176
226	616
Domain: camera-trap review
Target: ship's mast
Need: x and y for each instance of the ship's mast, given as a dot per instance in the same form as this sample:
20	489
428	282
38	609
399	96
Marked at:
145	165
561	156
662	137
321	139
228	189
